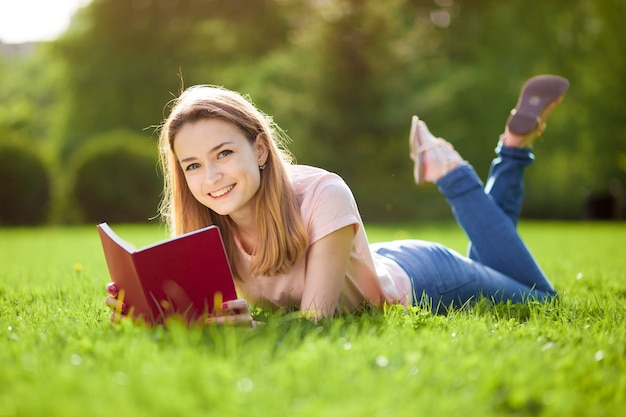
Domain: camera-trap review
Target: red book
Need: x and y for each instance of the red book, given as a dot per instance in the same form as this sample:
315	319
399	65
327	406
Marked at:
186	275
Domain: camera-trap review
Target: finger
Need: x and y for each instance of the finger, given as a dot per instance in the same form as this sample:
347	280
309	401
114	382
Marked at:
237	320
112	288
239	306
233	321
114	303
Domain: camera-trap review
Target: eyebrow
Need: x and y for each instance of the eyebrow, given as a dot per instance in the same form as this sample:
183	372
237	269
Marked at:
212	150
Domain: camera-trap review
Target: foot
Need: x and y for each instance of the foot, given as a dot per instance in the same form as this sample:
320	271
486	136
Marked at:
538	97
433	157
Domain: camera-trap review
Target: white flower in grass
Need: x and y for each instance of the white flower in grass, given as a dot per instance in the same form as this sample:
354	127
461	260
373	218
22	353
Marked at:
382	361
245	385
76	360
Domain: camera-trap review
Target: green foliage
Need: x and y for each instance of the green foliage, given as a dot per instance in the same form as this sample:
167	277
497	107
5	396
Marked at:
125	60
114	178
61	357
343	77
29	98
370	61
496	45
26	187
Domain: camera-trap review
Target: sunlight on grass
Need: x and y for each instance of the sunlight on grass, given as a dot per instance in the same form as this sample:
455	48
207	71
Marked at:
61	357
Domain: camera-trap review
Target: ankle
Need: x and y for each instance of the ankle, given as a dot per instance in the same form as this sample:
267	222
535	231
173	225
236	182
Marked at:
519	141
446	169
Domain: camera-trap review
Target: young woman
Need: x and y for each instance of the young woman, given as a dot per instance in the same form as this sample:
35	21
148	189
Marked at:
294	235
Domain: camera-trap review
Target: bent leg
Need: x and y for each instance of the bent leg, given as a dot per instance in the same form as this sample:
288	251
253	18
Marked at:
443	277
491	231
505	184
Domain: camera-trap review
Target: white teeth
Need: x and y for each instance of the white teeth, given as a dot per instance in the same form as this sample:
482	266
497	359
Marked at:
221	192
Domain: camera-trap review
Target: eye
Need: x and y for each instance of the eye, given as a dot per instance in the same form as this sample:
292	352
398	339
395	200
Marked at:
224	153
193	166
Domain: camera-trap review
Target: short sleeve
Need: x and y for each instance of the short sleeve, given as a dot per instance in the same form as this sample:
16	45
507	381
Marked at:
327	205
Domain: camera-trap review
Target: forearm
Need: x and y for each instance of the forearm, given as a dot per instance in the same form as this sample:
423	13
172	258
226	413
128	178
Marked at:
326	274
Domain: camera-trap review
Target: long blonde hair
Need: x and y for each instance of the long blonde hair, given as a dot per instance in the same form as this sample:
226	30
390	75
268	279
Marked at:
283	237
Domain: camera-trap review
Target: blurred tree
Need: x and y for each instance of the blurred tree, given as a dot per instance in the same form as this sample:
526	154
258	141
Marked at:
121	63
25	192
344	76
114	178
597	117
371	60
29	92
126	59
494	46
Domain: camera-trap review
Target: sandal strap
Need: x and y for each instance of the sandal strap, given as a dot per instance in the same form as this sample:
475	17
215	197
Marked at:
438	143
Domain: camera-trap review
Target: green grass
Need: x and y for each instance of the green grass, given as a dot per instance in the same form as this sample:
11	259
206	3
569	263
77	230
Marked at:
60	357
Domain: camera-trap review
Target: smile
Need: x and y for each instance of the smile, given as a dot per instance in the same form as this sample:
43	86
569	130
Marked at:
222	191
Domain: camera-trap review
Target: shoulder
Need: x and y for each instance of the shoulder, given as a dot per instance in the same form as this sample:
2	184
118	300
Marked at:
326	202
307	180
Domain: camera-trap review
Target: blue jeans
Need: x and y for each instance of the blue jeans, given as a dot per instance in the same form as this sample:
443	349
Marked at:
499	266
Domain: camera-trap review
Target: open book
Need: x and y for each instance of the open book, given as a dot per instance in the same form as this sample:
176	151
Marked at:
188	275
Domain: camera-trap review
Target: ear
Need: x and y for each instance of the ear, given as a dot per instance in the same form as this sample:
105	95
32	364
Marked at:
262	148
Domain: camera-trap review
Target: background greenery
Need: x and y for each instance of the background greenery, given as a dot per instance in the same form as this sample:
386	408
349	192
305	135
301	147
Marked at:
60	356
343	78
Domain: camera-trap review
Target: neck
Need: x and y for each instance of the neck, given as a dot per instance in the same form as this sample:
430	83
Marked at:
246	231
247	239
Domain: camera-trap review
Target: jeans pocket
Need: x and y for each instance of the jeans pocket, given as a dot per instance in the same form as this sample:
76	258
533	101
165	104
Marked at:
457	284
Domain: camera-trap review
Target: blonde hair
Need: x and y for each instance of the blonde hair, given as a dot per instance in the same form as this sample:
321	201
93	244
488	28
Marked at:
283	237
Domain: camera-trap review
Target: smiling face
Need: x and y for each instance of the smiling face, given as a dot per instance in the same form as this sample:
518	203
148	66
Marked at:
221	166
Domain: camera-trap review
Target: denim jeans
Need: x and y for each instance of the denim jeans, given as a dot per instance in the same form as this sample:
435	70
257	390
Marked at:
499	266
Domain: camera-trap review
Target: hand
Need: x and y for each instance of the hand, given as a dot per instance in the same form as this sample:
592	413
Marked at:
112	301
234	312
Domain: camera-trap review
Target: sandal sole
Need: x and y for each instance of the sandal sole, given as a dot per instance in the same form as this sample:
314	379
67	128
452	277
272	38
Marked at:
535	96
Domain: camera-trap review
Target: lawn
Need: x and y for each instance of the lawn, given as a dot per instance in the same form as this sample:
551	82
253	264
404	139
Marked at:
61	357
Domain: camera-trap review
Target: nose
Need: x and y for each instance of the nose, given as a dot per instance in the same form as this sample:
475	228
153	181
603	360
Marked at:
212	174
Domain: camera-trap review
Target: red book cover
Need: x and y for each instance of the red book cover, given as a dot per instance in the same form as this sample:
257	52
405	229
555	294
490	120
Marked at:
185	275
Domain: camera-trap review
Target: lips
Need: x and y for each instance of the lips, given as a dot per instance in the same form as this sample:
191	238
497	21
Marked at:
222	191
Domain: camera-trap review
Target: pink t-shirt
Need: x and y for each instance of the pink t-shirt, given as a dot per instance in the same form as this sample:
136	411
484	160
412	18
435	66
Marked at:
327	205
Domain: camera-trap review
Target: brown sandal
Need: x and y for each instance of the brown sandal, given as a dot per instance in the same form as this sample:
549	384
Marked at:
536	96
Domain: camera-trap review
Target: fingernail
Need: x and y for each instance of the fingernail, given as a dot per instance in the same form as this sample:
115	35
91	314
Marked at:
111	288
224	305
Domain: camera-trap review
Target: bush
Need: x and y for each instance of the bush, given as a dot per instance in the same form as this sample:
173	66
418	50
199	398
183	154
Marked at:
114	178
553	186
25	192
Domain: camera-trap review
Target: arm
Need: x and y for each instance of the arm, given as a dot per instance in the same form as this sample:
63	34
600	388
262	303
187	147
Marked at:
326	272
